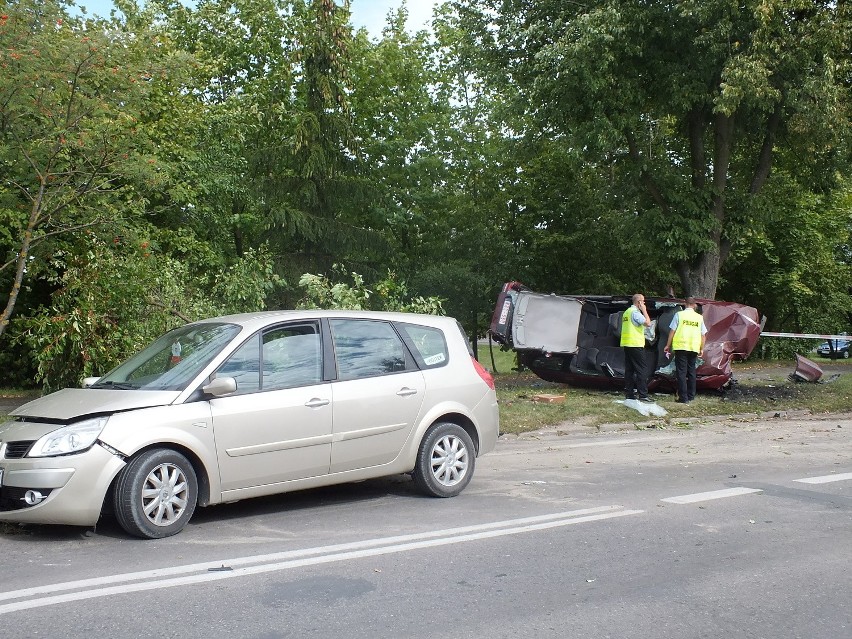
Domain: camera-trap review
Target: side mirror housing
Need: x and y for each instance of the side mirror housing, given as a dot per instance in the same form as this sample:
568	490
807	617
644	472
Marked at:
220	386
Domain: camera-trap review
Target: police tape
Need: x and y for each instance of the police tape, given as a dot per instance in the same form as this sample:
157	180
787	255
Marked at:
841	337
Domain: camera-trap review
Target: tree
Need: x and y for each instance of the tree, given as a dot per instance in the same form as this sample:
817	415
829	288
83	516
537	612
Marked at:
72	95
798	271
684	105
277	163
120	293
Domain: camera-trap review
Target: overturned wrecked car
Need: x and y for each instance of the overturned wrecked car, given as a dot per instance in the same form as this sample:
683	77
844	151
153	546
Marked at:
574	339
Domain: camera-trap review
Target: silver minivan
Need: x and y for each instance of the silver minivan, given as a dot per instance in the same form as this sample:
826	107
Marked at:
247	405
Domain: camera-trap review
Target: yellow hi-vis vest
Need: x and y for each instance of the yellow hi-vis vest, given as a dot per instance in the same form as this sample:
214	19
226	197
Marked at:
687	337
631	335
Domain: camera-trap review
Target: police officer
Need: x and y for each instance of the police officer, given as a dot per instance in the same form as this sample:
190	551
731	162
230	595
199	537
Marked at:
633	323
686	337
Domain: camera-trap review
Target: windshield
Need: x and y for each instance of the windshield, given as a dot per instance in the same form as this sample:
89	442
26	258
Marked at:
173	361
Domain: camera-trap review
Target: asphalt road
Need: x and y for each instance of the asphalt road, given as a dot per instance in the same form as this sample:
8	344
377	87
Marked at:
720	529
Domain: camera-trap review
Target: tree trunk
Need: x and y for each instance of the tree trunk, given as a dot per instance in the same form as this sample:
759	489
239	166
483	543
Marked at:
700	278
23	256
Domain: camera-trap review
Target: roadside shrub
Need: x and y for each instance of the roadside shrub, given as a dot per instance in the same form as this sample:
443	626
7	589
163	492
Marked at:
389	294
119	295
772	348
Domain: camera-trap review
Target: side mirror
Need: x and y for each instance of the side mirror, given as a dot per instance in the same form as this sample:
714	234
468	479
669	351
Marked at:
89	381
220	386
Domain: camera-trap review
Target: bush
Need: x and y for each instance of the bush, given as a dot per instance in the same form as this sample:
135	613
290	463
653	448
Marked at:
390	294
118	296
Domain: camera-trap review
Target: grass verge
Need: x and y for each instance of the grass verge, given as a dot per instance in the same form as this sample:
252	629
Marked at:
759	388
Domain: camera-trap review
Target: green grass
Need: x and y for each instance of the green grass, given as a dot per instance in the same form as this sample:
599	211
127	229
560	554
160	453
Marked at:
761	387
503	361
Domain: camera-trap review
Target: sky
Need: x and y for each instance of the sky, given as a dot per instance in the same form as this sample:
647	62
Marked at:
365	13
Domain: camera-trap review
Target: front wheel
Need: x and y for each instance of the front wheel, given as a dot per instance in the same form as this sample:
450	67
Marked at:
156	494
445	461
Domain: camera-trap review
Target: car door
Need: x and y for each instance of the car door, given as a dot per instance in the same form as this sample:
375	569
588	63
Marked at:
277	425
377	395
548	323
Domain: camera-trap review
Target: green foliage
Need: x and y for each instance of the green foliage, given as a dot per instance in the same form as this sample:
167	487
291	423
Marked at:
389	294
596	147
782	348
75	98
794	267
682	108
121	294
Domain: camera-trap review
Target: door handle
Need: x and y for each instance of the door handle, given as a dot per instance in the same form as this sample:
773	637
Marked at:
405	392
316	402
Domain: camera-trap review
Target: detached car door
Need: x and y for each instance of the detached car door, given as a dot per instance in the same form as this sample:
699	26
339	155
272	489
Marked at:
549	323
377	395
277	426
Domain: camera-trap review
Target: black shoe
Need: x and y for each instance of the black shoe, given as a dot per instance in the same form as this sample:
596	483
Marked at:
629	397
682	401
646	400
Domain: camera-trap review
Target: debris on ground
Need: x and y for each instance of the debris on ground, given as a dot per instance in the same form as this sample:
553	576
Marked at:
546	398
646	409
806	370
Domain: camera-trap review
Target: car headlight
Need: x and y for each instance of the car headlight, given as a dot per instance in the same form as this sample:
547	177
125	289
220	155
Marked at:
69	439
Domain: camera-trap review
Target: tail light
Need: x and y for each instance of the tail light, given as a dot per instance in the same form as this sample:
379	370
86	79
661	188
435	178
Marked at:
484	374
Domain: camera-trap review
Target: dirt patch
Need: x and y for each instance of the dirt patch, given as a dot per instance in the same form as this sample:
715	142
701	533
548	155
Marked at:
744	392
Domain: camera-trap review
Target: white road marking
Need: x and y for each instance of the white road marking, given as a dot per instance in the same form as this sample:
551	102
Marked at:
604	442
240	567
713	494
825	479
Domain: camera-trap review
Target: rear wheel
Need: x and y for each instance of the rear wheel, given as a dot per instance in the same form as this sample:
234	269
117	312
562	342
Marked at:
445	461
156	494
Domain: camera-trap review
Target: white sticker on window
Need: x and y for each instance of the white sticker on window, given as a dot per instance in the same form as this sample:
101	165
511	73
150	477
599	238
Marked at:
434	359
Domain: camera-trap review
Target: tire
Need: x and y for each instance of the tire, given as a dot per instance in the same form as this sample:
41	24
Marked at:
846	354
156	494
445	461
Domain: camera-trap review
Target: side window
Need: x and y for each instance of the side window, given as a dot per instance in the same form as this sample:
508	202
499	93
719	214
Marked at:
244	366
292	356
366	348
428	344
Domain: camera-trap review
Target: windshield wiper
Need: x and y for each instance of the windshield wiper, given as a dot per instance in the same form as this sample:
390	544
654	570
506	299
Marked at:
115	385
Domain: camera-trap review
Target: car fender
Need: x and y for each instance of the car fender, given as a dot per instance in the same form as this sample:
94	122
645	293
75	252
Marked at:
445	411
184	426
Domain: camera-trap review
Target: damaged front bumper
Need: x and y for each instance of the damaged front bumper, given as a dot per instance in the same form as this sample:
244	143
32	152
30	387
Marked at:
57	490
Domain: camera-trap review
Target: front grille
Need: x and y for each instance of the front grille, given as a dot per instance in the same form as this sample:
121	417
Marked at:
17	450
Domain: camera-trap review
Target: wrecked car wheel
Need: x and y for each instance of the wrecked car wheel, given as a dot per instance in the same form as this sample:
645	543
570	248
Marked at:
156	494
445	461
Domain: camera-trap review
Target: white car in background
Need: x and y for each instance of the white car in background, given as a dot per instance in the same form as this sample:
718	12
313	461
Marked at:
248	405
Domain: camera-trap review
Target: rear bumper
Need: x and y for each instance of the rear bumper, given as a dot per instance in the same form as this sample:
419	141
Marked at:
487	414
